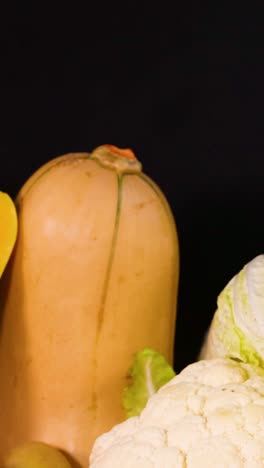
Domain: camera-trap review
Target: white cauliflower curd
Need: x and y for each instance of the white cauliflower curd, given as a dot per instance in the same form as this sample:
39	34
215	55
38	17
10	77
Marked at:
210	415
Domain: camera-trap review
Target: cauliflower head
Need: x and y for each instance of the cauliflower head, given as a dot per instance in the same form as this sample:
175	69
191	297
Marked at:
209	415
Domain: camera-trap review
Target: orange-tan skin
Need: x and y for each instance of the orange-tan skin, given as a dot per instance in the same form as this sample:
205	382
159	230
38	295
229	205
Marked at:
88	285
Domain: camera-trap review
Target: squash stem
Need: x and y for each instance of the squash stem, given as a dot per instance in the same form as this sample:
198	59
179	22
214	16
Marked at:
123	161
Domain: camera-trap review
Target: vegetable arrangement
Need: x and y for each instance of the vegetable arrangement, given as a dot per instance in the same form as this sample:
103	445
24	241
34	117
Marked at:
212	413
88	313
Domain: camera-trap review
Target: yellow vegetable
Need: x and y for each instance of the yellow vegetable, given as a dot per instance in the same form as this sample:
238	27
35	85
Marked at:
93	280
8	229
35	455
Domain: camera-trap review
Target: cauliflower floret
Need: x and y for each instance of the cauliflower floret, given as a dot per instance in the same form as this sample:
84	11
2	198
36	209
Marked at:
210	415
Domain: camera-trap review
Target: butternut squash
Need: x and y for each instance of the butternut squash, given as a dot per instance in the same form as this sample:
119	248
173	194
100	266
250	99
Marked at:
8	229
93	280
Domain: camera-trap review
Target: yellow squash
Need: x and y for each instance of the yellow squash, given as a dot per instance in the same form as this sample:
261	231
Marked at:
35	455
93	280
8	229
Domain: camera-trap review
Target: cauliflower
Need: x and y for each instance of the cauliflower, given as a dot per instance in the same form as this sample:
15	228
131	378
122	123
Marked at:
209	415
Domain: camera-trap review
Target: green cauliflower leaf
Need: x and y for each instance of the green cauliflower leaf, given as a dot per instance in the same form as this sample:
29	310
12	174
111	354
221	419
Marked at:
148	373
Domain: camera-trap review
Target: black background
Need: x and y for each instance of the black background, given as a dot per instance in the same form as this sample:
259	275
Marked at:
181	86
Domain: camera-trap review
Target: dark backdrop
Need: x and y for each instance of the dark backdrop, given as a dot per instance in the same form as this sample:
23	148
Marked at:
183	87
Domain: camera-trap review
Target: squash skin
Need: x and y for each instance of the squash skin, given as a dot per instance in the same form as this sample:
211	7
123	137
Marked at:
93	279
